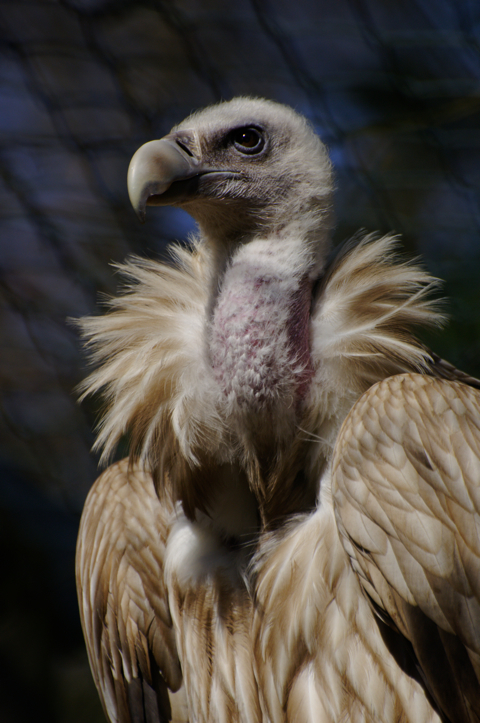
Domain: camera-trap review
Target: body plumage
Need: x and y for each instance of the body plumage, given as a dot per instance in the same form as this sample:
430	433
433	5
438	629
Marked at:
301	497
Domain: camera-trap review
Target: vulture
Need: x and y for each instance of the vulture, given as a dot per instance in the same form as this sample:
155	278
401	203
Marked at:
295	534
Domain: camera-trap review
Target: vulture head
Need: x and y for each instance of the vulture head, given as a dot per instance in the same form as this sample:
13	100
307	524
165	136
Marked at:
240	168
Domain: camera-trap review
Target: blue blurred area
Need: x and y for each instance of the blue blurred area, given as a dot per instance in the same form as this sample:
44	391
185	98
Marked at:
394	90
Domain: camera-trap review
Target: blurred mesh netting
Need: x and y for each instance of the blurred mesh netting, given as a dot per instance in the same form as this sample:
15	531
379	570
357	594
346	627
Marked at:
393	89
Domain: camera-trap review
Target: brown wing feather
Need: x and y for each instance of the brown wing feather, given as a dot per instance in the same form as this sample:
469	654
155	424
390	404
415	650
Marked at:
441	368
123	601
406	485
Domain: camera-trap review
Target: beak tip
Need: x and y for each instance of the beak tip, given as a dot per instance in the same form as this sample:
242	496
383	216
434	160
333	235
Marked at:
141	213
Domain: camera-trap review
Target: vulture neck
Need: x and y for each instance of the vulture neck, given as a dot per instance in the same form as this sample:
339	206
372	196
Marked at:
260	356
259	348
259	335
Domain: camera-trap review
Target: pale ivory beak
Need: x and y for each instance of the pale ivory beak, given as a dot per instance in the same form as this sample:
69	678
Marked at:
153	169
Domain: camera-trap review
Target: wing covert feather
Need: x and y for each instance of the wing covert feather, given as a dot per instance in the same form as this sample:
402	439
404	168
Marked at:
122	597
406	488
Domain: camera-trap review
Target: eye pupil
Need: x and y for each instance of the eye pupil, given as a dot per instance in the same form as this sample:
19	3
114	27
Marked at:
248	140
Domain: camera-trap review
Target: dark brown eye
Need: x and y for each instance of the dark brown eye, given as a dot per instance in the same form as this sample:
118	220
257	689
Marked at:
248	140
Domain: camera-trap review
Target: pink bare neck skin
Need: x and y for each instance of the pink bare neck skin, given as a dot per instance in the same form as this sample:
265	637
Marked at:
259	340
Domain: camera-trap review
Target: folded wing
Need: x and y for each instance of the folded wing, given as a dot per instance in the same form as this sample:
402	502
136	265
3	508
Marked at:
123	601
406	486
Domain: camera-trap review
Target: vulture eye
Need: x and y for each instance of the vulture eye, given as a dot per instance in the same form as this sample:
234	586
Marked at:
247	140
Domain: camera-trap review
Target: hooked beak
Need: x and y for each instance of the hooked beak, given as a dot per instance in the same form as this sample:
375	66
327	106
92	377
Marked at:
153	169
172	171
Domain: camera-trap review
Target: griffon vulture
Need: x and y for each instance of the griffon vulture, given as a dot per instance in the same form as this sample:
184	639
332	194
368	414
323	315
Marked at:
295	535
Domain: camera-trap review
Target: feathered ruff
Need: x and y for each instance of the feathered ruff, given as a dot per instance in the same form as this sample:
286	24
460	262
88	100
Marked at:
155	373
367	306
149	351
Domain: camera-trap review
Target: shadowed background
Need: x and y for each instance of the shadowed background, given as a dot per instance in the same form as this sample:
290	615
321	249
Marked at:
392	88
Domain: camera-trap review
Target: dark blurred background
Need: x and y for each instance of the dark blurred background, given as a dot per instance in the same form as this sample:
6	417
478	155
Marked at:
392	87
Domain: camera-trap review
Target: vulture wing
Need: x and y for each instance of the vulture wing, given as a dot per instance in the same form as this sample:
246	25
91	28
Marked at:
406	487
124	606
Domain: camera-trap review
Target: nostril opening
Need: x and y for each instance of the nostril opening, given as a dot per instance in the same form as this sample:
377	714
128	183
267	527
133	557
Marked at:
185	148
